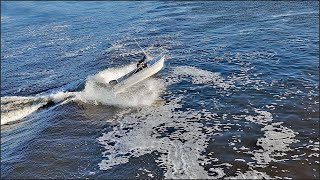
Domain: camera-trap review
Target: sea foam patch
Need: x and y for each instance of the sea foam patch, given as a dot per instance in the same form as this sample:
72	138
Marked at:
181	140
200	76
181	137
275	143
151	130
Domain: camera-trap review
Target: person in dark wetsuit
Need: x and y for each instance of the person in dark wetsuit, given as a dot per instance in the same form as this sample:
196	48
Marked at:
141	65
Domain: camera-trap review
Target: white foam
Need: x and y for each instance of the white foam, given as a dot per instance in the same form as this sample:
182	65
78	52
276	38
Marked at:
263	117
276	142
180	160
181	151
15	115
200	76
14	108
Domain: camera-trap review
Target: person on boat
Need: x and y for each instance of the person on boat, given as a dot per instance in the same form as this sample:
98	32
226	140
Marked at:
142	60
141	64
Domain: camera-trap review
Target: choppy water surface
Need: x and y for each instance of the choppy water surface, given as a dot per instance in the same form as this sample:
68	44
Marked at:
238	97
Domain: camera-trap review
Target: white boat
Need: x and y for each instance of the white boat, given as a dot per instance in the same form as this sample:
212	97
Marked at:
153	66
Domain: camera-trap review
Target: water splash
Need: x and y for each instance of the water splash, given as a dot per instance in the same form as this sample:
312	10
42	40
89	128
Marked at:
98	91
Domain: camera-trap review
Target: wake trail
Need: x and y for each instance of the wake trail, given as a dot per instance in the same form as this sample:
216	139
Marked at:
14	108
96	91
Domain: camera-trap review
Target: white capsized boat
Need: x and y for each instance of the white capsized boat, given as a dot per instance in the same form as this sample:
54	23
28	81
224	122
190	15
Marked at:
154	65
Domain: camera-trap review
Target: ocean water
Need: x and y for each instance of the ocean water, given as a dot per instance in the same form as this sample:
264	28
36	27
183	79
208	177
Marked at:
238	96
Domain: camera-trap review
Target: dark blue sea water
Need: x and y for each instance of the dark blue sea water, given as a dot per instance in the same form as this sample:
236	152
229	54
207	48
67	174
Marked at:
238	96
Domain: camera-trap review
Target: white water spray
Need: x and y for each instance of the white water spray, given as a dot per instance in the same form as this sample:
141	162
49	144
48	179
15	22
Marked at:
98	91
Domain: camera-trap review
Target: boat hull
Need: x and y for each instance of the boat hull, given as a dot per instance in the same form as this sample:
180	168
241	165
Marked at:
140	76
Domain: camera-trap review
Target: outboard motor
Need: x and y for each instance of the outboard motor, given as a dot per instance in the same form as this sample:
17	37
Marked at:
113	82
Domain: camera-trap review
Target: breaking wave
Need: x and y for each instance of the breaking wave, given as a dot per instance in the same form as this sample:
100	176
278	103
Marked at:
14	108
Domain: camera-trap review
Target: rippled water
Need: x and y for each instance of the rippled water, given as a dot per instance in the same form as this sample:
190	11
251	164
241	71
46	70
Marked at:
238	97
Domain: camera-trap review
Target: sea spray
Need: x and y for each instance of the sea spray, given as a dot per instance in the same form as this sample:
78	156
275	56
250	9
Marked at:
98	91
